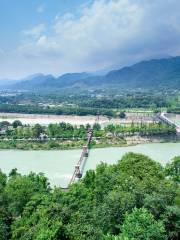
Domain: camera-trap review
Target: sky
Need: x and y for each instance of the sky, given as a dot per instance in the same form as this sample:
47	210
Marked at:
59	36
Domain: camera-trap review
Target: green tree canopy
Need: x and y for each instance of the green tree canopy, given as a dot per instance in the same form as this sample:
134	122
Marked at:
141	225
172	169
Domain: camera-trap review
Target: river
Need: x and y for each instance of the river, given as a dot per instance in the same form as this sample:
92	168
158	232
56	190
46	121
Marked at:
58	166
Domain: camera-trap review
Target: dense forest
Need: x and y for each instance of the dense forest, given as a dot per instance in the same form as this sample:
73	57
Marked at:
135	199
34	109
96	100
108	102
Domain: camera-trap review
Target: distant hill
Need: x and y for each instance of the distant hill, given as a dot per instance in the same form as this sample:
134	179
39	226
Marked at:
41	81
159	73
34	82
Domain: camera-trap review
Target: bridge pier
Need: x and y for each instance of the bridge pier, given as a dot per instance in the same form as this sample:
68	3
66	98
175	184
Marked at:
78	172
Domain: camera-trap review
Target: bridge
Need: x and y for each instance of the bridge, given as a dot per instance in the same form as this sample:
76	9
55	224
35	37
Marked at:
162	117
79	167
77	174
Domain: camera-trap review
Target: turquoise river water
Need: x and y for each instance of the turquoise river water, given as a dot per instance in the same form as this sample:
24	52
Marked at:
58	166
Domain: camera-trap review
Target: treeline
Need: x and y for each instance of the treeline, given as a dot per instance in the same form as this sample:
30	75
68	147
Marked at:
59	130
96	99
68	131
35	109
124	102
173	110
99	99
134	199
141	129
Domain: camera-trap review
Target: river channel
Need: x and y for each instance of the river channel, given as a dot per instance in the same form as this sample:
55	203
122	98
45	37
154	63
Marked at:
58	166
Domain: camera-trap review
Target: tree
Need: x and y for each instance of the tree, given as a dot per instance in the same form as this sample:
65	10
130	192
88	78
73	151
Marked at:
96	127
141	225
13	172
4	225
16	123
140	167
172	169
20	189
171	220
41	219
37	130
3	182
88	126
111	213
5	220
112	237
3	179
122	115
4	124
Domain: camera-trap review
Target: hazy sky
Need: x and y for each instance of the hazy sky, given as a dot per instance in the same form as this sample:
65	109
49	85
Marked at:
57	36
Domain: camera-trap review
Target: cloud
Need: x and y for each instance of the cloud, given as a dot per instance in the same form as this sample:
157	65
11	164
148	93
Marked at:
35	31
90	40
40	8
104	34
103	29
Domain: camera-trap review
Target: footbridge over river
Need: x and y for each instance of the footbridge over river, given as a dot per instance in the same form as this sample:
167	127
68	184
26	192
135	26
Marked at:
163	117
79	167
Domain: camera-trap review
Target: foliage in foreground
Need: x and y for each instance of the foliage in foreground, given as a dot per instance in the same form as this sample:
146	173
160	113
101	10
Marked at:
132	200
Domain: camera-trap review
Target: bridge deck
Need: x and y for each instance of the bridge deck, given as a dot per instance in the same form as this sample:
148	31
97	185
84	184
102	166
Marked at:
84	153
165	119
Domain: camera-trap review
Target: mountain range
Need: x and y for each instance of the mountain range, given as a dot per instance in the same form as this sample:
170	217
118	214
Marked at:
156	73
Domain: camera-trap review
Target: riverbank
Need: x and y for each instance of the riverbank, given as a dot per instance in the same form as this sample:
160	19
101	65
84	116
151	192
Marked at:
59	144
78	144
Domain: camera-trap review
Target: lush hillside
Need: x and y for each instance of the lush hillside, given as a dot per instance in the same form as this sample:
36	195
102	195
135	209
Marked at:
133	199
154	73
161	73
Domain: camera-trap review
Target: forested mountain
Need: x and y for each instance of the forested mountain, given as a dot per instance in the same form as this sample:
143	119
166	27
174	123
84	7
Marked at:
36	81
159	73
154	73
41	81
146	74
